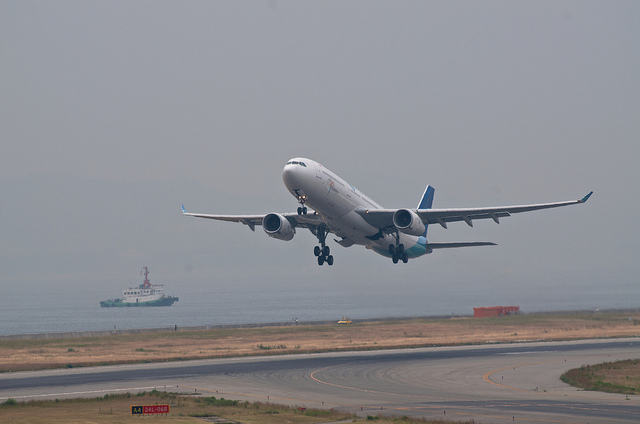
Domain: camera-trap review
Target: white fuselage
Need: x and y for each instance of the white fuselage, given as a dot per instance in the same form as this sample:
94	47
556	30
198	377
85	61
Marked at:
336	201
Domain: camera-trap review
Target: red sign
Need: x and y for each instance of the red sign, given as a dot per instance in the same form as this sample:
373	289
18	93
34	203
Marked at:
150	409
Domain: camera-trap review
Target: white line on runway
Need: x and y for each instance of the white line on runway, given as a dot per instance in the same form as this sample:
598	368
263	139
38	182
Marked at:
80	393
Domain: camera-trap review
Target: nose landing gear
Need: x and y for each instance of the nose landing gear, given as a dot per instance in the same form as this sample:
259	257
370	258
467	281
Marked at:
322	252
302	210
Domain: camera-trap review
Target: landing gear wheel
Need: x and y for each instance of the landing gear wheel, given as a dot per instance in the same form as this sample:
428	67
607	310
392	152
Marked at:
405	258
392	249
322	252
395	258
400	248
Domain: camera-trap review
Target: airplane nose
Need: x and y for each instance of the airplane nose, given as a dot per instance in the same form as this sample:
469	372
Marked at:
291	177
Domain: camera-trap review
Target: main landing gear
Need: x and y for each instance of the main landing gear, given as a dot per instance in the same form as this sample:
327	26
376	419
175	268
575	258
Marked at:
322	252
398	253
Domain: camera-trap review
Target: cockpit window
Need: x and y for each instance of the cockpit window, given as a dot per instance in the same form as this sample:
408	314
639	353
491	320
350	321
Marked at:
295	162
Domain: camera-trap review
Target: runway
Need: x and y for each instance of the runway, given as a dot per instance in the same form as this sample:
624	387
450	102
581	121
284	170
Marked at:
489	384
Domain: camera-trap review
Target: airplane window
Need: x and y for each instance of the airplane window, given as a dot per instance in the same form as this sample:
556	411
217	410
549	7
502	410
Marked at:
302	163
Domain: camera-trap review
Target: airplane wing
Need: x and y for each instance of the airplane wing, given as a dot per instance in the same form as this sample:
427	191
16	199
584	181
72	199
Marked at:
310	220
463	244
383	218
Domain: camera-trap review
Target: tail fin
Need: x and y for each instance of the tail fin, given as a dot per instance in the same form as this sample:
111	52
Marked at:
427	198
425	203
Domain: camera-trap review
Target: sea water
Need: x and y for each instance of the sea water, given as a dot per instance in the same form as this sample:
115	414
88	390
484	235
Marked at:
41	307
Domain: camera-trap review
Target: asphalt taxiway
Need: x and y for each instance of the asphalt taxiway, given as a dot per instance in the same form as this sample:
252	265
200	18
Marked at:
489	384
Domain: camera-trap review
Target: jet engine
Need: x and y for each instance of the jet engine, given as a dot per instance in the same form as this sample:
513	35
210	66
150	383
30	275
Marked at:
277	226
408	222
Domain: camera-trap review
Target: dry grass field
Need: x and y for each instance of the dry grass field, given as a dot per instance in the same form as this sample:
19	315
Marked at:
31	354
113	409
116	409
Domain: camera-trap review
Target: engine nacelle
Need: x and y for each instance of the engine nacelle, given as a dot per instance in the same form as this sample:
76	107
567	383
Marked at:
408	222
277	226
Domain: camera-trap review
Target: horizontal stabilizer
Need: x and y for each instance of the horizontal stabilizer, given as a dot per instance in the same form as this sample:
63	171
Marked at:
463	244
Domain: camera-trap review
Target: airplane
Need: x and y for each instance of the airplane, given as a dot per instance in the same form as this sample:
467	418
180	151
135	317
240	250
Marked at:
341	209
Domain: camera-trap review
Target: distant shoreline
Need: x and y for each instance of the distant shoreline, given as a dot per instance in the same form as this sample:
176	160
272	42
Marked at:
100	333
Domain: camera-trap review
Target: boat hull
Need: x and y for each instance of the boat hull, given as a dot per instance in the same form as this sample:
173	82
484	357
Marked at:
119	303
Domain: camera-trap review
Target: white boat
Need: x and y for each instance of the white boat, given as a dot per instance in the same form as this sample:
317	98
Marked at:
146	294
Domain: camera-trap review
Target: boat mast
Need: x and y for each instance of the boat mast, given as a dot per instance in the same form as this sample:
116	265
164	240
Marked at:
146	283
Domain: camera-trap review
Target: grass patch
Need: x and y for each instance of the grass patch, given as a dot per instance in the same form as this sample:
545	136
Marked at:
267	347
611	377
217	402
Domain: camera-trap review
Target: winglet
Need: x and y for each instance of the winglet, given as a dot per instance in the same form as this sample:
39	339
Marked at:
183	210
585	198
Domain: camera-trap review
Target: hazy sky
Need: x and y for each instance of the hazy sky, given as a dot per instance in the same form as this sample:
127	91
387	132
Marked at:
114	113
